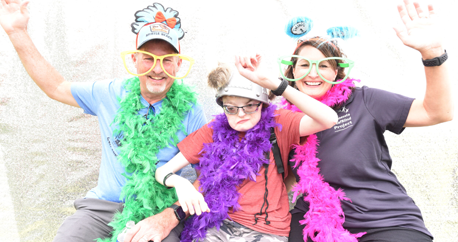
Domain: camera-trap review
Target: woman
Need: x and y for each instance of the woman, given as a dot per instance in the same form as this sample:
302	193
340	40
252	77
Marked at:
354	156
242	184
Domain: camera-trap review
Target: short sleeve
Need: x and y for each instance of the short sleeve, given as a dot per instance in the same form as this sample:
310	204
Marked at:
290	124
196	119
191	146
289	134
88	95
390	110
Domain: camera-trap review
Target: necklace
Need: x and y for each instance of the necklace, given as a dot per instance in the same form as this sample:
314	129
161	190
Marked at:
141	142
325	218
224	165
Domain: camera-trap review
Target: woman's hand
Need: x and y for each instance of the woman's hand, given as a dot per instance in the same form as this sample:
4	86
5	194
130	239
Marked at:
248	67
190	199
420	30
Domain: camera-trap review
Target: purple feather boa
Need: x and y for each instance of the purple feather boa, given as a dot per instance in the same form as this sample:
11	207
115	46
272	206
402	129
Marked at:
224	165
325	218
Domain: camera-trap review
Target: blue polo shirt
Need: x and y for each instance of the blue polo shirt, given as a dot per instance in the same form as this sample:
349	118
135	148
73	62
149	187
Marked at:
100	99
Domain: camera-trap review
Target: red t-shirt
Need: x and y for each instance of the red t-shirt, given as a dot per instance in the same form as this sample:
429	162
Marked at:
252	192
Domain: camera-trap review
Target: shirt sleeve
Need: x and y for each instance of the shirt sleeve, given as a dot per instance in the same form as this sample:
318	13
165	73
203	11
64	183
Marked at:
89	94
196	119
288	134
192	145
390	110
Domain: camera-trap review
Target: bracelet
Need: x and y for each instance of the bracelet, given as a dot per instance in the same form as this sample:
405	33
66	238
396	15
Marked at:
166	177
281	88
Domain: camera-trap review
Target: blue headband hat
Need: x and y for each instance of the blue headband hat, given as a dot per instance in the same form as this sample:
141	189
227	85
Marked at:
298	27
156	22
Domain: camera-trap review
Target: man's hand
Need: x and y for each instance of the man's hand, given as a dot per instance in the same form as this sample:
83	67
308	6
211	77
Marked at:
13	15
155	228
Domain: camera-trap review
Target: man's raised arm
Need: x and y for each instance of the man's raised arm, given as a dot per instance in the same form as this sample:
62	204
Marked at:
14	18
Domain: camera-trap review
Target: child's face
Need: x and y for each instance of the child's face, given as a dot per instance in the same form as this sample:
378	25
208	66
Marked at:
241	121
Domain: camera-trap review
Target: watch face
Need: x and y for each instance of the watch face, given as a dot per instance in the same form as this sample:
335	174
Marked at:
180	214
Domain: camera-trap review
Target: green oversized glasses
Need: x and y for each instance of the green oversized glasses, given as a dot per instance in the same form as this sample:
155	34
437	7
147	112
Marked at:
303	66
145	62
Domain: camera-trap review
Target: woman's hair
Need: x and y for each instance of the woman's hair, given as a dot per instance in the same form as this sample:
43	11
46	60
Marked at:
219	76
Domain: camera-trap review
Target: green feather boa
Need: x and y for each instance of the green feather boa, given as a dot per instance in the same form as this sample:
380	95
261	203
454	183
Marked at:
143	139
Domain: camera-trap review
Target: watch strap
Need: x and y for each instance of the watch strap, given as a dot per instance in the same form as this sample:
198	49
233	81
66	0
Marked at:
177	215
281	88
436	61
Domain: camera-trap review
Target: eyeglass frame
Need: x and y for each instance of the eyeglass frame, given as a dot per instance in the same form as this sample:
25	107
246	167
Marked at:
348	62
242	107
160	58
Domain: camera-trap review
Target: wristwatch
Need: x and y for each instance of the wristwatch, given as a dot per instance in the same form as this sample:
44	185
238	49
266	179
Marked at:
178	212
281	88
436	61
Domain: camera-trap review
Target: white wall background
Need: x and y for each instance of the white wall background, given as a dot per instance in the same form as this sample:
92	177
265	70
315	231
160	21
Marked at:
51	152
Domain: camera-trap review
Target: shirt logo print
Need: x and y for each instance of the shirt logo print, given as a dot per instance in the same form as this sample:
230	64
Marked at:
343	110
344	121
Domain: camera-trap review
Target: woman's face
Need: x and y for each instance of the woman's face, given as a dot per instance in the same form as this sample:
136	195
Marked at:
241	121
312	84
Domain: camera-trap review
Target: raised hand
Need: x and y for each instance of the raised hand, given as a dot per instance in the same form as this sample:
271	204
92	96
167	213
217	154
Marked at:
13	15
420	30
248	66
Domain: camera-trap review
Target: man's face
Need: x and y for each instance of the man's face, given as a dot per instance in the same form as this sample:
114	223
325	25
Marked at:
156	83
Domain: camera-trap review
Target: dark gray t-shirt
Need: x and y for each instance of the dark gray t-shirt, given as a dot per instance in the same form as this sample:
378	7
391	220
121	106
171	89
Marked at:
354	156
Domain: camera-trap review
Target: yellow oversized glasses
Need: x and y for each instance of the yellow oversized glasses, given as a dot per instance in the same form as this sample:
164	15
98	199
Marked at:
139	63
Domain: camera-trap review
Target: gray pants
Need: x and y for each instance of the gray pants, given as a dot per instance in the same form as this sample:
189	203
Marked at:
90	221
235	232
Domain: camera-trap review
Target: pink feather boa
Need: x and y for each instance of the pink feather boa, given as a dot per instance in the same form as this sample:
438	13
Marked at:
325	218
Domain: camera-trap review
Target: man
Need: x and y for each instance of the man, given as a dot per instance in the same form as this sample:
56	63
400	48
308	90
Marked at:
141	119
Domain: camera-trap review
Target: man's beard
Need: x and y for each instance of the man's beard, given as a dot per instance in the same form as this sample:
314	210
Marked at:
155	89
